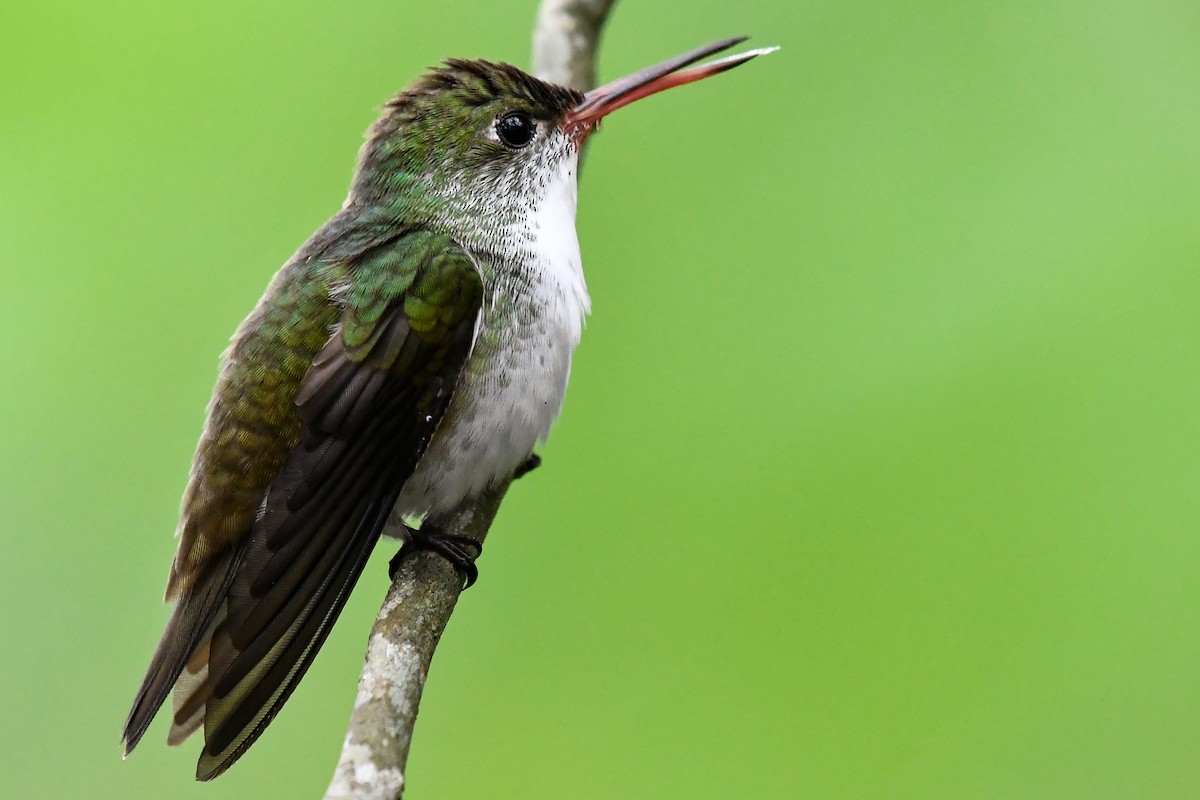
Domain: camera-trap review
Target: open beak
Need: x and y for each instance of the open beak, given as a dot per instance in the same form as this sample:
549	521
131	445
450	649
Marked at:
603	100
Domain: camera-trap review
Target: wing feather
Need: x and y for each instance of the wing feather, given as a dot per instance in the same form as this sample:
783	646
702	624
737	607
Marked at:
244	634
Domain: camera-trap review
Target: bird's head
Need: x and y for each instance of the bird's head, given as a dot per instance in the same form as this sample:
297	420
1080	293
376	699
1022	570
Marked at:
477	144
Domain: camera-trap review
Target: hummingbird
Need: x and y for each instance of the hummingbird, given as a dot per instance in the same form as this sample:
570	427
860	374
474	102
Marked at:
411	354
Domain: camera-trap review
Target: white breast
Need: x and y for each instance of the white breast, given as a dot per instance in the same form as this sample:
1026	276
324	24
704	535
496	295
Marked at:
514	382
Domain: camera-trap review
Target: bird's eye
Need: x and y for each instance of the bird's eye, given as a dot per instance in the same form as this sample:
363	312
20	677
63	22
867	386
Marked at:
516	129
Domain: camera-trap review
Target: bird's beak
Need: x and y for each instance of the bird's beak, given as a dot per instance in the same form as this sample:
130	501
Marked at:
603	100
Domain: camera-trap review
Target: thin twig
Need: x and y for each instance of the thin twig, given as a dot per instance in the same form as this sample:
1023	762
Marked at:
426	588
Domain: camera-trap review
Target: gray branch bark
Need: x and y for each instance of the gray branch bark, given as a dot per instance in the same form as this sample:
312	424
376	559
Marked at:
426	588
565	39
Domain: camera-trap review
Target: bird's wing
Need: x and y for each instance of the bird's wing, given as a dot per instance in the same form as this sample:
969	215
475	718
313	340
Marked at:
243	635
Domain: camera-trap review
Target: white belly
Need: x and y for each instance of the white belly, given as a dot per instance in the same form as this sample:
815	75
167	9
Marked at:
505	406
513	385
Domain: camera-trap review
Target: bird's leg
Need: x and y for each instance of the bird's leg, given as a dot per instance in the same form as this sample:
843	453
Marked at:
460	551
533	462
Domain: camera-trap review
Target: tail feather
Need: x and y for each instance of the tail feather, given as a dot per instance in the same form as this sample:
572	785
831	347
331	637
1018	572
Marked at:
192	690
234	721
190	624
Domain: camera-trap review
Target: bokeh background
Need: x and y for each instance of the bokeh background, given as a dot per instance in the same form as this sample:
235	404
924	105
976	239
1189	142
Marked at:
878	476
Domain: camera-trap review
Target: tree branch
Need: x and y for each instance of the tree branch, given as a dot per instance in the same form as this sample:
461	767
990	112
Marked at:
565	39
426	588
406	632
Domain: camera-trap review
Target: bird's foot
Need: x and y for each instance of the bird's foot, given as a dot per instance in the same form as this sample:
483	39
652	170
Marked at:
460	551
533	462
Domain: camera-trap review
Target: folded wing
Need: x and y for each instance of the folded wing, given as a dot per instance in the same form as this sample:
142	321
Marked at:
243	635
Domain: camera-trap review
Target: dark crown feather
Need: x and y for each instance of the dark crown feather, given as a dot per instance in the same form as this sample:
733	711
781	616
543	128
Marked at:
481	82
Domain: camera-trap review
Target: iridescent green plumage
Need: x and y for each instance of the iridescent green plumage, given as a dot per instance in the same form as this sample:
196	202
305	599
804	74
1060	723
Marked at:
410	354
327	398
310	438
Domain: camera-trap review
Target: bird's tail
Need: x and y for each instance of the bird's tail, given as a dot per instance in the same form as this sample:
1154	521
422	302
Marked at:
177	658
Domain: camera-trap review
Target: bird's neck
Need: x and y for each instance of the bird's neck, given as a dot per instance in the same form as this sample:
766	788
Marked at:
529	254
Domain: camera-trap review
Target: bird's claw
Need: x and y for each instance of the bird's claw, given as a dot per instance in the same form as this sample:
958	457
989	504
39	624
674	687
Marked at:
460	551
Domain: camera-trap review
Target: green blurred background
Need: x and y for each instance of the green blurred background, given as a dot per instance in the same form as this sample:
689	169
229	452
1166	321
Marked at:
878	473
